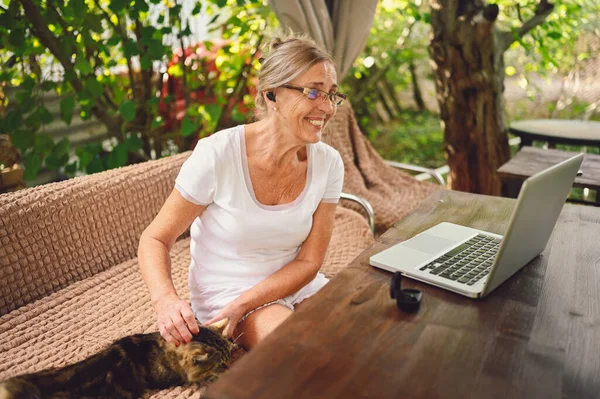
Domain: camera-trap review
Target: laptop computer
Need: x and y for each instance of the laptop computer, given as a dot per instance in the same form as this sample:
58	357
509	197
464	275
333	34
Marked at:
472	262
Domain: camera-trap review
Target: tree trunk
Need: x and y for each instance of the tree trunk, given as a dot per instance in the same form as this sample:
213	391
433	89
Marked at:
417	96
469	69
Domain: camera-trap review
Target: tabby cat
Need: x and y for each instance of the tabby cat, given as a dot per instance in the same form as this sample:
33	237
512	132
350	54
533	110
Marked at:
128	368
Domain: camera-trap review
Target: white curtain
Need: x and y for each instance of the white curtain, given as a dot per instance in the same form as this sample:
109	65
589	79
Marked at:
344	33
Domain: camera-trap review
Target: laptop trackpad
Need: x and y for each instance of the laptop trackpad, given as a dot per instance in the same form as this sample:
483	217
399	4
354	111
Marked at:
429	244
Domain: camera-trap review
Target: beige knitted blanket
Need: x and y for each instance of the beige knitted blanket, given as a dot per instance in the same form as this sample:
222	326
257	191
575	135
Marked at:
392	192
70	282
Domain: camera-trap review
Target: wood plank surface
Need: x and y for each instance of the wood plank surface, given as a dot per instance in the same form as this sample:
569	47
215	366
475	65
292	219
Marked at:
530	160
535	336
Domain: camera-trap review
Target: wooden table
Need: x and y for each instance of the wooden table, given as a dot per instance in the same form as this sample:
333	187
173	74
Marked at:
535	336
529	161
557	131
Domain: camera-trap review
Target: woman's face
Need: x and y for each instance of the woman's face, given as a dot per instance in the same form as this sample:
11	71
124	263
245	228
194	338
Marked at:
296	113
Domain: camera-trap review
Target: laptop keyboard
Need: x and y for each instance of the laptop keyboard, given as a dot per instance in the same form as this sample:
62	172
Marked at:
469	262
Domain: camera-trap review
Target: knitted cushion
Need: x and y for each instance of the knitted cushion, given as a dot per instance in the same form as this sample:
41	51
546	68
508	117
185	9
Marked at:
60	233
391	192
79	320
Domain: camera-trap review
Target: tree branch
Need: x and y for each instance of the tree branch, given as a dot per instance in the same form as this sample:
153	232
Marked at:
484	19
146	73
542	10
519	12
119	29
50	41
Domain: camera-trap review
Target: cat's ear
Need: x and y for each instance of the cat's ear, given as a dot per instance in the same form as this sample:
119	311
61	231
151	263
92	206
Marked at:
203	355
220	325
201	358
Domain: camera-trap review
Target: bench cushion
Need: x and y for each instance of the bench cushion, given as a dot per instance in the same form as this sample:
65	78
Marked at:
392	192
82	318
56	234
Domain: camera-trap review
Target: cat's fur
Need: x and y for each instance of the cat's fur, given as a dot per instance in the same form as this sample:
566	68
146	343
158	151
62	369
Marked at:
128	368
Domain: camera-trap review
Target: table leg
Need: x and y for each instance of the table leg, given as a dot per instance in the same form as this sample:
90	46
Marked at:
511	188
525	142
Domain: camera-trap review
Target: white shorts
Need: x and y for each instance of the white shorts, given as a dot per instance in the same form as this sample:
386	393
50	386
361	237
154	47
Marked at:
207	302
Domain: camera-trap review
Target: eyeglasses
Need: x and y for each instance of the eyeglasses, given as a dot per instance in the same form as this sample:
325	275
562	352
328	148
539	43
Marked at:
336	99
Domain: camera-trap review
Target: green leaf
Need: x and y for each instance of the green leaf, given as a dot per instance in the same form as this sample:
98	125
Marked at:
113	41
197	8
71	168
5	76
221	3
130	48
44	115
156	50
145	63
17	37
27	104
8	20
43	143
156	122
79	8
127	110
85	157
187	31
95	166
12	121
93	86
33	121
153	101
28	84
68	12
555	35
48	85
187	127
134	142
236	115
214	110
33	163
94	21
117	6
67	105
117	157
62	147
141	6
54	162
70	75
23	140
212	21
208	45
240	3
83	66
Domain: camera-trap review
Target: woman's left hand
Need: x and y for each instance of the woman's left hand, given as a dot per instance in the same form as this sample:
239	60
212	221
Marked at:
234	311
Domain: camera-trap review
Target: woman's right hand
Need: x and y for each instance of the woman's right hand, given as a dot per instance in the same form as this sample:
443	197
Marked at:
175	319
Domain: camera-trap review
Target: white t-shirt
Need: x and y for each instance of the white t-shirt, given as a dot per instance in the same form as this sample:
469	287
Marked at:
237	242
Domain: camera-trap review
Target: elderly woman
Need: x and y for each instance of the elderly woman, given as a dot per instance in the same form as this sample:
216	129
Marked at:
260	199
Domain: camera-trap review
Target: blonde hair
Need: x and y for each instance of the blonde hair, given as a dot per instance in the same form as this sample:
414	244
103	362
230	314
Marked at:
286	58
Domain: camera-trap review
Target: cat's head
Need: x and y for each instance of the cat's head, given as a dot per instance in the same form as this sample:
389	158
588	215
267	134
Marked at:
216	347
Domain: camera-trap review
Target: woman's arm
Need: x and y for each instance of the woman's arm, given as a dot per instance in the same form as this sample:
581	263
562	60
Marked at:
290	278
175	319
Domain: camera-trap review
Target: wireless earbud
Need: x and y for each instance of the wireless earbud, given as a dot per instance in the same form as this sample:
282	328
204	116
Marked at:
271	96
